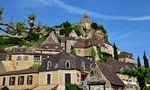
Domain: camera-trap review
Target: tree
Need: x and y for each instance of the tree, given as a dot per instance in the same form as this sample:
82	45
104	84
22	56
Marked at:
94	25
99	52
1	12
146	63
138	62
115	52
73	51
93	54
140	73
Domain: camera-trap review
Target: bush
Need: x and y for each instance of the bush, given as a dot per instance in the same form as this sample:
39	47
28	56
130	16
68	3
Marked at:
71	87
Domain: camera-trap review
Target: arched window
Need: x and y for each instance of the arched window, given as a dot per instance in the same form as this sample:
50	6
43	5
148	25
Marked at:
83	65
48	65
67	64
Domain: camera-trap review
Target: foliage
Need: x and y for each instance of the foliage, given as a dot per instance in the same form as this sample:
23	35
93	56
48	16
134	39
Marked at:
99	51
20	27
73	51
66	24
138	62
93	54
36	66
33	37
100	27
67	28
103	59
14	41
146	63
115	52
140	73
1	12
6	45
71	87
94	25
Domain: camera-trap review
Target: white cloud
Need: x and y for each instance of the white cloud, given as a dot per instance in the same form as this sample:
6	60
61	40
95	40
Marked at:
80	11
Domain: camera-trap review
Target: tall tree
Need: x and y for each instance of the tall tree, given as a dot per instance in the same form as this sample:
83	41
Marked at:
93	54
115	52
138	62
140	73
146	63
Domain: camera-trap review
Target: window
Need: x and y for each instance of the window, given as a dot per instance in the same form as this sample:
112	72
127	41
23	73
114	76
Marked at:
4	81
18	58
67	78
20	80
67	64
29	79
48	65
48	78
12	81
83	65
36	57
25	58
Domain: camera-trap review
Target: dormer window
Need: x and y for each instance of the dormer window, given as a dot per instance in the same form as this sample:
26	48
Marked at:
67	64
18	58
83	65
48	65
26	58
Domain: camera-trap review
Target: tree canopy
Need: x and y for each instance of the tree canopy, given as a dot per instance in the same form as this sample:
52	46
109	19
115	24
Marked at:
146	63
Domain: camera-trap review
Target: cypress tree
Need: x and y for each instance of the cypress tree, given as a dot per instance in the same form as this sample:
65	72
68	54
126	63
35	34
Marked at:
146	63
138	62
115	52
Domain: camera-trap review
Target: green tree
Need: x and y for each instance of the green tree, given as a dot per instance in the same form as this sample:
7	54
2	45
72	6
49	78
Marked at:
146	63
1	12
73	51
93	54
140	73
115	52
138	62
94	25
99	52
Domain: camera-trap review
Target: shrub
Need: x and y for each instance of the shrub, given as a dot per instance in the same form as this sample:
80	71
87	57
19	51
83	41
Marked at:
71	87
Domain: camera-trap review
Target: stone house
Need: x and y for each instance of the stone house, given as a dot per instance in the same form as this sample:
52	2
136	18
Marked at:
62	68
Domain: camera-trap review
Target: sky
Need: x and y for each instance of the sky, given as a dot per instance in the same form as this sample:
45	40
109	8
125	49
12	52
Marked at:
126	21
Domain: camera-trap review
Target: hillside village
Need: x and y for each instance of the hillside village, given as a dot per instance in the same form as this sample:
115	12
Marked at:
77	53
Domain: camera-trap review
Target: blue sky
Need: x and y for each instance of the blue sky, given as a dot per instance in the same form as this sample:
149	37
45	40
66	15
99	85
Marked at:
126	21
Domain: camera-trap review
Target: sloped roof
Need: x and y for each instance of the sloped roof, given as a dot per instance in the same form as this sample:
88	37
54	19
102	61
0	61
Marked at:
21	50
117	65
27	71
89	42
52	42
58	62
110	74
126	55
73	34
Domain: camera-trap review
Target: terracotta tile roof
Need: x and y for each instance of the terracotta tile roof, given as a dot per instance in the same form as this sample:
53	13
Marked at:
27	71
58	62
89	42
126	55
110	74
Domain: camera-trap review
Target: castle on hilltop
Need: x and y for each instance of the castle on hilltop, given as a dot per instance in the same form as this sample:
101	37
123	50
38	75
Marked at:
84	57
